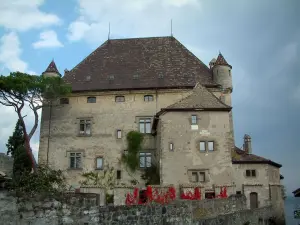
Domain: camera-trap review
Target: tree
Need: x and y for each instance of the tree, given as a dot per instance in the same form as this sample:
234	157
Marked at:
22	163
15	140
20	89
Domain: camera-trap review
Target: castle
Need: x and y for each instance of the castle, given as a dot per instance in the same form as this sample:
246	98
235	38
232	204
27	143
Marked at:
182	106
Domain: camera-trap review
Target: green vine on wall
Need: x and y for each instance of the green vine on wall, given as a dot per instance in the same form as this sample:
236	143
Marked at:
134	145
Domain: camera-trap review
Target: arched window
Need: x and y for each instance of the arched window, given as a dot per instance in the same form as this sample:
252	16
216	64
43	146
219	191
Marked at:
148	98
120	99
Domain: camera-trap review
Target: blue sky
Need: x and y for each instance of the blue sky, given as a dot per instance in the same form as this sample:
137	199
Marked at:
260	39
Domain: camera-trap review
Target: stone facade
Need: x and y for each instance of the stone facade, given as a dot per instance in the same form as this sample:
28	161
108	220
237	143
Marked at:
175	146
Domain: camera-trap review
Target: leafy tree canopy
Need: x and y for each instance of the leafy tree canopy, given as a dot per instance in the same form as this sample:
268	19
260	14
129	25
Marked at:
16	140
20	89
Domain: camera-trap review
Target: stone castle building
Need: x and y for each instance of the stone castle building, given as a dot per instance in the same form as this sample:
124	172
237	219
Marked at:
182	106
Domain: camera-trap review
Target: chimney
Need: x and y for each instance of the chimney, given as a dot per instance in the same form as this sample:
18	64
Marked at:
247	144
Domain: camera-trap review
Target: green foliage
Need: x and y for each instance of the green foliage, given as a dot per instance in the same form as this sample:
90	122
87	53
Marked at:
15	140
109	198
151	175
44	181
106	178
134	145
22	163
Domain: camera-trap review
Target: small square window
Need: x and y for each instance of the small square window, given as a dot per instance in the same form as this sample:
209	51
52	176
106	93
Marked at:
210	146
125	152
91	99
99	163
135	76
118	174
120	99
201	176
238	192
85	127
253	173
202	146
171	146
194	119
119	134
148	98
75	160
145	125
248	174
64	101
194	177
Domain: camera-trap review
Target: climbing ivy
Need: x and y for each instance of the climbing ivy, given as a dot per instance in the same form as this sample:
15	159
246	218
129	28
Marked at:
151	175
134	145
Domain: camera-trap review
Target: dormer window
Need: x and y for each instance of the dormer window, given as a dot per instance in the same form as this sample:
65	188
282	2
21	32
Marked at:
148	98
91	99
160	76
120	99
64	101
135	76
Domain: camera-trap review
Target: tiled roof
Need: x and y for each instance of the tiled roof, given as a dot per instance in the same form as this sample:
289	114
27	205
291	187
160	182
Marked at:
200	98
139	63
52	68
244	158
222	61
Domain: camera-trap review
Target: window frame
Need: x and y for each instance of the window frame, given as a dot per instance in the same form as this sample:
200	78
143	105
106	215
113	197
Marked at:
75	155
144	156
96	163
197	174
85	123
119	134
119	175
171	146
213	146
204	146
148	98
250	173
64	101
88	99
192	119
118	97
145	122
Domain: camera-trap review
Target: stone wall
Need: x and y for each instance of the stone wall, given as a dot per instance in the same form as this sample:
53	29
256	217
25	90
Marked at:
6	164
71	211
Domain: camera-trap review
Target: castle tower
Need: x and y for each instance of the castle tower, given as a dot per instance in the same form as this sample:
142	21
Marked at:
51	70
222	72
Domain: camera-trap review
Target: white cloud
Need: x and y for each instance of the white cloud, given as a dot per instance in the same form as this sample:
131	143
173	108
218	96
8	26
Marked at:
133	17
23	15
10	53
48	39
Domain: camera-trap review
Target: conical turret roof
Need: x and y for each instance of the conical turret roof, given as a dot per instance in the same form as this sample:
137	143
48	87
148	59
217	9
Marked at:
221	61
51	68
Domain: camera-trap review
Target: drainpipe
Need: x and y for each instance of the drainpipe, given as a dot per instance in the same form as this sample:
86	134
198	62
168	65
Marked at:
49	130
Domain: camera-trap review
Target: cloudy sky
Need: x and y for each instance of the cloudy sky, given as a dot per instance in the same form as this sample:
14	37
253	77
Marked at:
260	39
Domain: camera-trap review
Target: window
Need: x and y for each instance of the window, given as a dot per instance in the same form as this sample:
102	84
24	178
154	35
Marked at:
119	134
202	146
91	99
120	99
210	146
250	173
197	176
145	126
171	146
75	160
194	119
119	174
99	163
148	98
238	192
201	176
85	127
64	101
194	177
145	159
160	76
135	76
125	152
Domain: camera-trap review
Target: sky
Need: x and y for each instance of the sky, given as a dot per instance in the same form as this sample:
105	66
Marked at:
260	39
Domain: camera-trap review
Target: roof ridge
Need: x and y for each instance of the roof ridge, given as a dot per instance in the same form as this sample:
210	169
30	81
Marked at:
132	38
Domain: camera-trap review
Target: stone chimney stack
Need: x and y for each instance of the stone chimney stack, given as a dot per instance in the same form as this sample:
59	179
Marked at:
247	144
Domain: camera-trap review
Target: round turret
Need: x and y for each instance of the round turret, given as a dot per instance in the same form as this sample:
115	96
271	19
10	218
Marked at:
212	63
222	73
51	70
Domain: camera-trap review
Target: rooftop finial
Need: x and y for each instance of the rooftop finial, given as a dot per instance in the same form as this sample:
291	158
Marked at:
108	30
171	28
